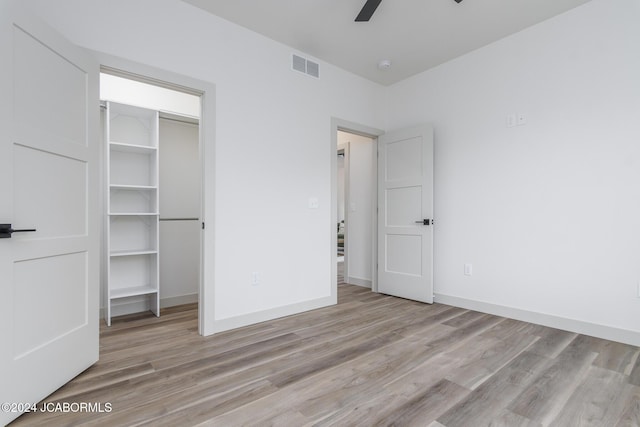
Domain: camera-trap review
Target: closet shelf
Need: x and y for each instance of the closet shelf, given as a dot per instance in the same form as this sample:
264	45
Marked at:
133	214
132	219
132	291
132	148
133	253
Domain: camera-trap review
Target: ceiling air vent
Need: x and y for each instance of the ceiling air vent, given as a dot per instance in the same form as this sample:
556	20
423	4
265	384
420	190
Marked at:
298	63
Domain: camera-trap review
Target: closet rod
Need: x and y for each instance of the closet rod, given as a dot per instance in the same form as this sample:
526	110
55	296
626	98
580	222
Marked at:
187	121
179	219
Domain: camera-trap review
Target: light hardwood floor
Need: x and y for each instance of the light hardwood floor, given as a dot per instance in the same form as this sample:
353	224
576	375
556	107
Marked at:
370	360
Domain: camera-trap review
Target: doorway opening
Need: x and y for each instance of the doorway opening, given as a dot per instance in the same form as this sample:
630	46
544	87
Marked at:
356	189
341	199
361	273
152	181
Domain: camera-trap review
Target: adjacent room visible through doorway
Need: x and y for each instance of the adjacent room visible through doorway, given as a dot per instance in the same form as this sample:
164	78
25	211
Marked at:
356	203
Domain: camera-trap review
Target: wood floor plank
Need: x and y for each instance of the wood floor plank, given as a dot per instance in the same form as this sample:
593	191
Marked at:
507	418
634	375
552	342
347	382
369	360
404	375
592	399
464	318
508	327
83	384
361	379
547	395
487	401
630	413
424	407
191	407
319	395
615	356
494	357
364	413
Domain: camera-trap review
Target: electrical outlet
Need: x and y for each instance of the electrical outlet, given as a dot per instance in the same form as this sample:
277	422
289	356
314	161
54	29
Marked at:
255	278
468	269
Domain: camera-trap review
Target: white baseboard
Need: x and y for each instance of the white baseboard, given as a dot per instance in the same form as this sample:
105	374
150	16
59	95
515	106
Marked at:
133	305
366	283
274	313
586	328
140	304
179	300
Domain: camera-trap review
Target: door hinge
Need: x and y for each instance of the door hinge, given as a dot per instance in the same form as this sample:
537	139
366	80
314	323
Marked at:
203	225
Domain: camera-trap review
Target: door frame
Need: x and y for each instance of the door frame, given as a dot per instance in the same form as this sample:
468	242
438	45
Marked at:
373	133
207	93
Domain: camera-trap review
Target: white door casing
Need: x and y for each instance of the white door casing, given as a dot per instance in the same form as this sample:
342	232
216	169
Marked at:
405	199
49	279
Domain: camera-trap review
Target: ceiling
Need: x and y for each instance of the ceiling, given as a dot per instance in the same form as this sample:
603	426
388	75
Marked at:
414	35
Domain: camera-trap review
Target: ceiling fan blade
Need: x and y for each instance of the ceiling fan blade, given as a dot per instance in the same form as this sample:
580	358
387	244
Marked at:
367	10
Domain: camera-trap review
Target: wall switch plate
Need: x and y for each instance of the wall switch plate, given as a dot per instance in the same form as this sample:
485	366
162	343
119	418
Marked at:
314	203
255	278
522	119
511	120
468	269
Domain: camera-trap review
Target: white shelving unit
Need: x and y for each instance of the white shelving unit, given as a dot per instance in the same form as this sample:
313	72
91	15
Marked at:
132	206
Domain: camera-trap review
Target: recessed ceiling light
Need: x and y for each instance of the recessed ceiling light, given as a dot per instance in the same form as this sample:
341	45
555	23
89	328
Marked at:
385	64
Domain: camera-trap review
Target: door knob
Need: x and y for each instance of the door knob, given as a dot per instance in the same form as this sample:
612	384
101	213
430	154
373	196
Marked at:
424	222
6	231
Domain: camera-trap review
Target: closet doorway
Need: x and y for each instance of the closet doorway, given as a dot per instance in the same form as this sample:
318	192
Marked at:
165	270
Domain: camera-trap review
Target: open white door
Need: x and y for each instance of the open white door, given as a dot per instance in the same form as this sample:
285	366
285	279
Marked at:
49	279
405	213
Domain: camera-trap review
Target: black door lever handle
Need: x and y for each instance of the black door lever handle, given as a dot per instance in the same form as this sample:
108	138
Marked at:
6	231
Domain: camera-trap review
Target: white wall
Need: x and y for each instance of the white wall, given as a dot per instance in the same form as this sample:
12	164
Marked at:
180	225
273	133
548	212
361	185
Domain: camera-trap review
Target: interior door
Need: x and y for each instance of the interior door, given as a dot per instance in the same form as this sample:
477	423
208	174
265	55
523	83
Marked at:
405	213
49	175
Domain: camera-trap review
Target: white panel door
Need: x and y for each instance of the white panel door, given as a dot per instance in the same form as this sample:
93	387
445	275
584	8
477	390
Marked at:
49	278
405	214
